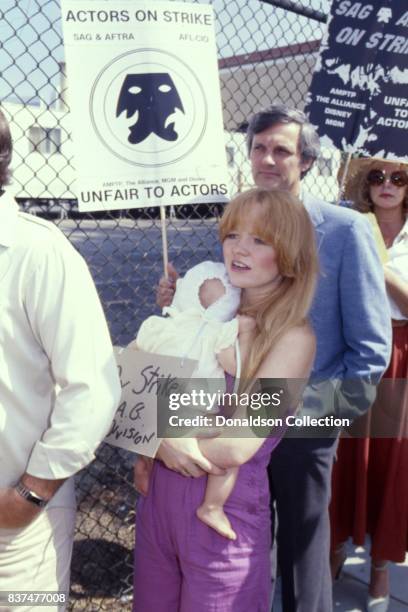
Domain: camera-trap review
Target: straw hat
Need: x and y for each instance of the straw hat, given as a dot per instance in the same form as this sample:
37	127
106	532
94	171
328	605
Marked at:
357	167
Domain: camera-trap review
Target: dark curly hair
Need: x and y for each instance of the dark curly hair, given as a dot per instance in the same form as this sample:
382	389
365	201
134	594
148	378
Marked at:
6	150
363	201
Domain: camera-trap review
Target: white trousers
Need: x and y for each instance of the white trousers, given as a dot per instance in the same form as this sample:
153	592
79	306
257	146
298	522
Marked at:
38	557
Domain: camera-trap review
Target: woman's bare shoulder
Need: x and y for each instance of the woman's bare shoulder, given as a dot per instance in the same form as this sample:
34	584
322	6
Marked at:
300	334
292	355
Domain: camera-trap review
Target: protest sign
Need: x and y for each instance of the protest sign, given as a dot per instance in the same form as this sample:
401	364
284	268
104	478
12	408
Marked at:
145	100
143	376
358	98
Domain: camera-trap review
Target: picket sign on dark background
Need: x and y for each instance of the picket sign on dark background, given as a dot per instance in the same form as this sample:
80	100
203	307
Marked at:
358	98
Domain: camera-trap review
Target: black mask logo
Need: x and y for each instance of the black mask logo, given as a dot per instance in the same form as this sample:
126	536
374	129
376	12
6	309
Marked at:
155	97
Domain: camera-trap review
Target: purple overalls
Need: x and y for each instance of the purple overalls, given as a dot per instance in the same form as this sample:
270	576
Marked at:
182	565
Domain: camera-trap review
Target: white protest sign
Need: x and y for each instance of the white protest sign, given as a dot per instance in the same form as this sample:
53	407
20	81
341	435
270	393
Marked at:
144	375
144	94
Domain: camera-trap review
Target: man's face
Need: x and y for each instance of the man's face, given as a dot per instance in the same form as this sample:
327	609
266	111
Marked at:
275	158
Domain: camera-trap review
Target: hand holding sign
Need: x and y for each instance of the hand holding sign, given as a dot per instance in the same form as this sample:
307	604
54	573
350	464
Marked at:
143	375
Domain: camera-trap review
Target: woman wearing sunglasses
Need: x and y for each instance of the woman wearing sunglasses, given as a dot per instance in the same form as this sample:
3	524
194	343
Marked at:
370	477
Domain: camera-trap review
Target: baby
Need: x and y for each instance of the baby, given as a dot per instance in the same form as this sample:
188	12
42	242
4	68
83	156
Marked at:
203	325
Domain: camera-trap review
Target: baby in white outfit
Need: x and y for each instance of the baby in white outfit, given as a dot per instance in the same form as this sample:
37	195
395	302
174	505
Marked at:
203	325
201	320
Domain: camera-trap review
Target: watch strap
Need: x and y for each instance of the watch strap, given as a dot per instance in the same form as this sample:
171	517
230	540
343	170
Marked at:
30	496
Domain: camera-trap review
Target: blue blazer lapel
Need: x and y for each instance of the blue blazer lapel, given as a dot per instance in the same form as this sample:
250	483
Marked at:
314	209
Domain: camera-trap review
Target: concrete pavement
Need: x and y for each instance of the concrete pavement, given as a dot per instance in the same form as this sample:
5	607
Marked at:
350	591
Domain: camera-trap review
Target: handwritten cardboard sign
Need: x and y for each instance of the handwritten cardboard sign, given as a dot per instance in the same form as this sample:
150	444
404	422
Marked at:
143	375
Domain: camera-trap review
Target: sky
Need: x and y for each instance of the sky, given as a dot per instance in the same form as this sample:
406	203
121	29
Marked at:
32	48
30	32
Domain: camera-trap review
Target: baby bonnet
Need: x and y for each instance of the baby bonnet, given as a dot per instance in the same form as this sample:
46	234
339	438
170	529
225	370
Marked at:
188	287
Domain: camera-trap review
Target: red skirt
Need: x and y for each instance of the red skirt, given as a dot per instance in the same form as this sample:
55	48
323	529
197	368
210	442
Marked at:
370	476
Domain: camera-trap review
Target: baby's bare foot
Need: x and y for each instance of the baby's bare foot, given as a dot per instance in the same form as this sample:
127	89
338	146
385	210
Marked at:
216	518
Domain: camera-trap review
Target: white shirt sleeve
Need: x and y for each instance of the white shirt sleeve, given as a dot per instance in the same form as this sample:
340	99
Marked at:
68	322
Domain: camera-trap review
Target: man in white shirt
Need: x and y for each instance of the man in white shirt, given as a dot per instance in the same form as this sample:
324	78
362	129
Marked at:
59	389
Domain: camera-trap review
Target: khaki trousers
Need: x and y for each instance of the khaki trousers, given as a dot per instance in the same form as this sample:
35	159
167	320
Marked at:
38	558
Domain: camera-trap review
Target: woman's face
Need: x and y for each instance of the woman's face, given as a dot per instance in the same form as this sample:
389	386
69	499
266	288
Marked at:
251	263
387	185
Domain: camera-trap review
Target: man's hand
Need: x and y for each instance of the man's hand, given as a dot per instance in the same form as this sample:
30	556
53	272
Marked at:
141	474
15	511
184	456
167	287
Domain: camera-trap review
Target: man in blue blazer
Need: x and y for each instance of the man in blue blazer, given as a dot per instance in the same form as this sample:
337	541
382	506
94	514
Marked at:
351	321
352	325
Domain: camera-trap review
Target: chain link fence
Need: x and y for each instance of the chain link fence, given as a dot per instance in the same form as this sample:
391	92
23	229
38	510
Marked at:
267	51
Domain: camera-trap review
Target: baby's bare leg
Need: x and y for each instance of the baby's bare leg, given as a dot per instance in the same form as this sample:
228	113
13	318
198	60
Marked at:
246	333
246	324
226	359
211	511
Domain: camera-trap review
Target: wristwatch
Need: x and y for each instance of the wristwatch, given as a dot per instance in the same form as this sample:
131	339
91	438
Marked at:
30	496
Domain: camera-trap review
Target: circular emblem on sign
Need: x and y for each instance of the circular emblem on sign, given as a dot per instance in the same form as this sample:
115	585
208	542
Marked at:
148	108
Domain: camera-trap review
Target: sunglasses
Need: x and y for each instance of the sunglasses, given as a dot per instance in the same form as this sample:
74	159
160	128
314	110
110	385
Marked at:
378	177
